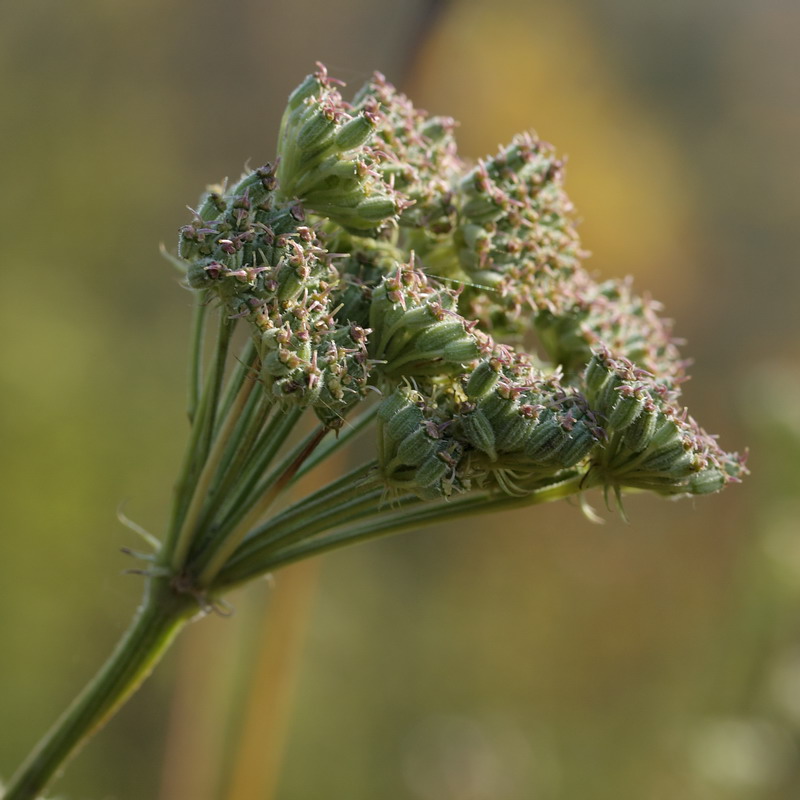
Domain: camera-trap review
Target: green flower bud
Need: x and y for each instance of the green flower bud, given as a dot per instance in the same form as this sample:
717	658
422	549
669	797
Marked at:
577	447
482	380
626	409
392	404
706	481
431	471
438	335
482	209
376	209
355	133
404	422
308	88
674	459
436	128
416	447
495	406
667	433
597	373
513	432
316	134
544	441
479	433
609	394
461	351
640	433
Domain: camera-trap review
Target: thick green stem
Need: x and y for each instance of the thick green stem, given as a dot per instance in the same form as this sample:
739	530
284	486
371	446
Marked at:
160	617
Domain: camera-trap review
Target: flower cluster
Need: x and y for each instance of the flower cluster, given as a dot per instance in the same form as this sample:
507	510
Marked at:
370	256
515	247
330	158
652	443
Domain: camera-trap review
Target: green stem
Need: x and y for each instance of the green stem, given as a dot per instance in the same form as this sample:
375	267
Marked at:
417	517
238	450
256	560
196	354
197	449
324	501
246	362
160	617
189	528
286	543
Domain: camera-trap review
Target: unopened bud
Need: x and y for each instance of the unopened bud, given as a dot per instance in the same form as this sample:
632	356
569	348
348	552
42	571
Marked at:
640	433
416	447
316	134
577	447
404	422
482	380
461	351
431	471
544	441
308	88
376	208
355	133
626	409
479	433
706	481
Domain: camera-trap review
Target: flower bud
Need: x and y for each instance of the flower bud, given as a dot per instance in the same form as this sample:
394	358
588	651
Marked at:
416	447
640	433
437	336
495	406
513	432
479	433
544	441
376	209
482	380
308	88
316	134
461	351
674	460
355	133
706	481
431	471
404	422
597	373
577	447
626	409
392	404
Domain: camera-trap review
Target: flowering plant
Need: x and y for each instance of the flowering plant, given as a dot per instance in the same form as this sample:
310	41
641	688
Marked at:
384	284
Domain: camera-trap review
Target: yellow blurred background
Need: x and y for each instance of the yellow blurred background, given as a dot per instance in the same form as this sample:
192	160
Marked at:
533	656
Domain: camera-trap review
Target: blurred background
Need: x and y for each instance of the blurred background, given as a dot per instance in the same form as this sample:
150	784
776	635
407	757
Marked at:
533	656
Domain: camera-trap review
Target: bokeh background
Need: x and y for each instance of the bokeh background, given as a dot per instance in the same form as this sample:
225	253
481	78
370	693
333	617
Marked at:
533	656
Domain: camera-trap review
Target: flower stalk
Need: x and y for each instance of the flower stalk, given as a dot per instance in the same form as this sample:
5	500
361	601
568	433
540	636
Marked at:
386	287
157	622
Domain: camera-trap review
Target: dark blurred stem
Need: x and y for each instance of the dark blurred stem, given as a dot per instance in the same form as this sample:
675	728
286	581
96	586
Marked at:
161	615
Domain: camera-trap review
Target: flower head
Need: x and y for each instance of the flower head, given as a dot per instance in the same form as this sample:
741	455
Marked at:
371	257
